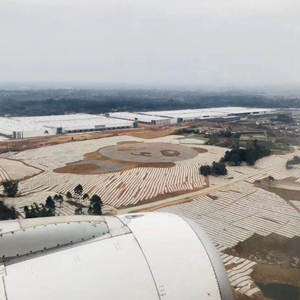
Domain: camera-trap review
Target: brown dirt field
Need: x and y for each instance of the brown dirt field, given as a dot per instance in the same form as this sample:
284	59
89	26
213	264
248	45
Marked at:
256	296
78	169
285	193
129	142
170	153
92	156
200	150
157	165
148	132
274	249
34	143
265	273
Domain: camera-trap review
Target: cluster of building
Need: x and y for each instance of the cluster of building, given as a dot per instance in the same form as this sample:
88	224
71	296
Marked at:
28	127
188	115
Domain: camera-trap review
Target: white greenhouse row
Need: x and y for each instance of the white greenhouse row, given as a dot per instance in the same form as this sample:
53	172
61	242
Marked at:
238	212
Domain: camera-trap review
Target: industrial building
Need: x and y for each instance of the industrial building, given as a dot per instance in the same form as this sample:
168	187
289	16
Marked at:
144	118
145	256
187	115
27	127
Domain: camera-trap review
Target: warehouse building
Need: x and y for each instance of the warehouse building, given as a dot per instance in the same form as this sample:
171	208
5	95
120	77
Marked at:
142	118
179	116
18	130
28	127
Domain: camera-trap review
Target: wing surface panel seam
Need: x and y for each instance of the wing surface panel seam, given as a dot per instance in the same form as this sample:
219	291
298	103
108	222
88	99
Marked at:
4	288
211	262
148	265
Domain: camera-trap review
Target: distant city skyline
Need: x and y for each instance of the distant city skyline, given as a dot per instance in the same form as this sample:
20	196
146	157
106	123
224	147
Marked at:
186	44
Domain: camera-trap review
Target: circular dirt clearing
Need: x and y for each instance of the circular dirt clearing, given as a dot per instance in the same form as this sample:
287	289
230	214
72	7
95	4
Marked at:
149	152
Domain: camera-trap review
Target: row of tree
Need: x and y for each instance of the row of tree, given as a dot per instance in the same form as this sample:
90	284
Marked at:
43	210
39	211
95	207
250	155
217	168
78	194
48	209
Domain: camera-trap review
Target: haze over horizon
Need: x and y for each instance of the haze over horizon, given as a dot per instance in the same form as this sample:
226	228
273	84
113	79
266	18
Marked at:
235	44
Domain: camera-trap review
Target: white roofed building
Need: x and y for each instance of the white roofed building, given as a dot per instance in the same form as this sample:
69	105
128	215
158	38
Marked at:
186	115
26	127
143	118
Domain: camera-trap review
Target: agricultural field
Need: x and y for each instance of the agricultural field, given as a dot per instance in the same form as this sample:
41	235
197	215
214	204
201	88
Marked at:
134	173
233	217
158	168
16	170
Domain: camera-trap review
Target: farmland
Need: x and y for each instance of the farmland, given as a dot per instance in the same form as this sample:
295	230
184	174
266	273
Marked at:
137	173
117	189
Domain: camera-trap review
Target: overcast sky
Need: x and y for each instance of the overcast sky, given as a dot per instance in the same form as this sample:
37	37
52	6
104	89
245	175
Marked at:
151	42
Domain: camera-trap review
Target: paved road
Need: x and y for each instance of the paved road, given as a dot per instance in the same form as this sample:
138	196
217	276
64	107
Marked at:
192	195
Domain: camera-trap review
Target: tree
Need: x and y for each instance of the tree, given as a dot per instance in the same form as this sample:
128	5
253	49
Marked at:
271	178
205	170
36	211
85	196
285	118
32	212
78	190
251	156
95	207
219	168
50	203
10	188
7	213
96	199
288	165
27	212
226	133
59	199
69	195
295	161
235	159
79	211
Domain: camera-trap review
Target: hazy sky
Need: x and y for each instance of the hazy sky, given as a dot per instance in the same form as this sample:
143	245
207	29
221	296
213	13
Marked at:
186	42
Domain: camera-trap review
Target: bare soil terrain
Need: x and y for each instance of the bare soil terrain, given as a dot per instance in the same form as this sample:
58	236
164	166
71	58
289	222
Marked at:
266	273
272	249
95	163
287	188
147	132
149	152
